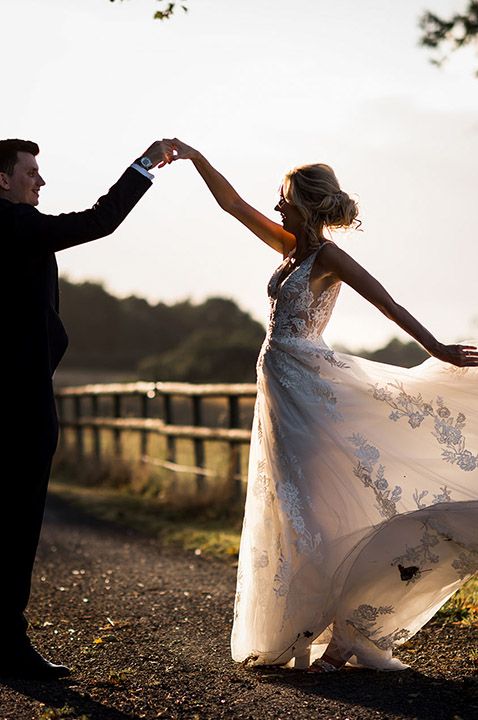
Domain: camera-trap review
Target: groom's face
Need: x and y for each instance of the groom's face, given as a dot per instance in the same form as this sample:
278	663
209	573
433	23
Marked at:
23	185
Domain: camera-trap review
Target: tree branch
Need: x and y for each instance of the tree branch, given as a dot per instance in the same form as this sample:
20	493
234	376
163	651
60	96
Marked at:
168	9
448	35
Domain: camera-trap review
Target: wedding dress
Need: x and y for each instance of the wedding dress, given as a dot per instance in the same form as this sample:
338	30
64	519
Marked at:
361	515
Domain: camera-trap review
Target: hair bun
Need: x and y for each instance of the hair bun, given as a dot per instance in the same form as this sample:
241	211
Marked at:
338	209
345	211
315	191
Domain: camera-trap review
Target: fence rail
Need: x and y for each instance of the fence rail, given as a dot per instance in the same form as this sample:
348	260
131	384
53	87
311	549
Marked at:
119	394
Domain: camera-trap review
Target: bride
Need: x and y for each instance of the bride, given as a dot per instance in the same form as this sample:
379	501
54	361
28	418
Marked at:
362	504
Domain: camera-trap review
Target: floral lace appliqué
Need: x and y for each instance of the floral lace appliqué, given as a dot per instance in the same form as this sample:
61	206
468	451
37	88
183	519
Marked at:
295	310
446	428
287	491
411	563
260	558
441	497
282	577
466	563
292	375
262	484
364	620
368	456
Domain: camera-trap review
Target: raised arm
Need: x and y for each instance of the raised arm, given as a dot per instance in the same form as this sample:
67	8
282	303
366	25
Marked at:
336	261
229	200
59	232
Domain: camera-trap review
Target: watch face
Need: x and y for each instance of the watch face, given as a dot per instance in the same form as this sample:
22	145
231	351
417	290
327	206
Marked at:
146	162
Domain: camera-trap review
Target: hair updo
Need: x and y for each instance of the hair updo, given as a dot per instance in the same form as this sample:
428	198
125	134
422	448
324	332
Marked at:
315	192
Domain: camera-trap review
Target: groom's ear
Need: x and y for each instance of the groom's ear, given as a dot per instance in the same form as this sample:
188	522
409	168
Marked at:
4	181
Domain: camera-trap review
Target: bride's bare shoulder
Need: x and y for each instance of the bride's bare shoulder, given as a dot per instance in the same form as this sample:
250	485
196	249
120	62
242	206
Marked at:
332	256
337	262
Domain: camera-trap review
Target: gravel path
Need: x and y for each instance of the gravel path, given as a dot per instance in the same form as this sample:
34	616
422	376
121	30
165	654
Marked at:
147	632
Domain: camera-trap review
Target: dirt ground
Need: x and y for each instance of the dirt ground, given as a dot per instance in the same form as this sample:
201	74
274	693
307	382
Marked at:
146	631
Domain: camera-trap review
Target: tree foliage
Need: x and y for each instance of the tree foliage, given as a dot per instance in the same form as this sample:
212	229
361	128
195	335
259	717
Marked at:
167	9
396	352
208	355
448	35
211	341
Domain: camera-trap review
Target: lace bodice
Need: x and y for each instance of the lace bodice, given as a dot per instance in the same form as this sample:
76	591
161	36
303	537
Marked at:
295	311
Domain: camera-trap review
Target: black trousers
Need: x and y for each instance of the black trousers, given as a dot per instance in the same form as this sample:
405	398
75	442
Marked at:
31	440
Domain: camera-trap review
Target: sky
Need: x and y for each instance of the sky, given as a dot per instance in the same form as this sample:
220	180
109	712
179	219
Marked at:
258	86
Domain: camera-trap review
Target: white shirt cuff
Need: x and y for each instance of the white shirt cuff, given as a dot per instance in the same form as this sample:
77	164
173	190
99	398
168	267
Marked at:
143	171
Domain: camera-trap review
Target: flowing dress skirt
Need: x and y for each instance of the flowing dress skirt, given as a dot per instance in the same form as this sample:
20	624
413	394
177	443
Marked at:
362	505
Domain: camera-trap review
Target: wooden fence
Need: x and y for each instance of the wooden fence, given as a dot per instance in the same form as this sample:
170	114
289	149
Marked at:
83	408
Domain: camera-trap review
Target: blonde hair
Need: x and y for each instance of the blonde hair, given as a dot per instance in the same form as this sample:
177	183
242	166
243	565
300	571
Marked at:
315	191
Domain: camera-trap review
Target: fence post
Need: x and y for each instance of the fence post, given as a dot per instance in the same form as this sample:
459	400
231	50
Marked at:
96	429
144	433
117	431
199	454
168	419
235	450
80	448
60	411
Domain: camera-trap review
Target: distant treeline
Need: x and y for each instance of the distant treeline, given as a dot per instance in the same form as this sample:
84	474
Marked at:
206	342
214	341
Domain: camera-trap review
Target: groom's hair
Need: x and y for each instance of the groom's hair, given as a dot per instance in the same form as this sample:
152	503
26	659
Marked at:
9	150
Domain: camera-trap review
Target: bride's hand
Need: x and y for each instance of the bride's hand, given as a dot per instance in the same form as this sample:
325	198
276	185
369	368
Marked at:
183	151
460	355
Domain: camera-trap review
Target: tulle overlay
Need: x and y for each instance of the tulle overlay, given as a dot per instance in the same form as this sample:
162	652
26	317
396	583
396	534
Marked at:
362	504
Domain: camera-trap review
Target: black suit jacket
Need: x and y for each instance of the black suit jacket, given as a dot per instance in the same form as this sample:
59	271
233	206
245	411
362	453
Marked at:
35	337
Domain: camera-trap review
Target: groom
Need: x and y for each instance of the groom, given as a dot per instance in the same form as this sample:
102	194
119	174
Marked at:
34	343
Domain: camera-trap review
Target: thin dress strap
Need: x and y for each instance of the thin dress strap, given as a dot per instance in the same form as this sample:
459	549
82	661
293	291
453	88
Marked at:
326	242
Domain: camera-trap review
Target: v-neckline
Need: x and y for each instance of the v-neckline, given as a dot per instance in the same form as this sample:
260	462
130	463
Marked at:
282	279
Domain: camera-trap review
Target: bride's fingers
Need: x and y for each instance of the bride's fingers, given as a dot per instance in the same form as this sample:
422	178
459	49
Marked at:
174	142
179	145
461	355
466	357
180	155
178	149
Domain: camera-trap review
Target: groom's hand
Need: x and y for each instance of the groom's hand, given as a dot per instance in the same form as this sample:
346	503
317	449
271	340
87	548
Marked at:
160	153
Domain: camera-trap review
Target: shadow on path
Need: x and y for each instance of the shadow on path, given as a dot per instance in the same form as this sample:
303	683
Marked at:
61	694
59	511
406	694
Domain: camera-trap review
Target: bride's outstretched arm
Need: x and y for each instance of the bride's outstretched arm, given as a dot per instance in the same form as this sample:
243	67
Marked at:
229	200
345	268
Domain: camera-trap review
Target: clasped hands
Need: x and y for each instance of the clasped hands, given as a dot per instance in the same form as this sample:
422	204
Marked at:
163	152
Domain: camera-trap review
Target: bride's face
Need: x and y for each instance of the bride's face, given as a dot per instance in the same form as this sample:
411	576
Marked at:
292	220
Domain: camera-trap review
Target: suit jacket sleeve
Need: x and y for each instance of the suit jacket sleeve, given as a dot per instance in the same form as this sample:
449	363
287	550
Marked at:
58	232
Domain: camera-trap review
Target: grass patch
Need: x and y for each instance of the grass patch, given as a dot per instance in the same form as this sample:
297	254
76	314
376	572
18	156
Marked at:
210	530
462	607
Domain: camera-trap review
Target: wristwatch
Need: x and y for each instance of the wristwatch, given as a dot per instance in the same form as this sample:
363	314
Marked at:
145	162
